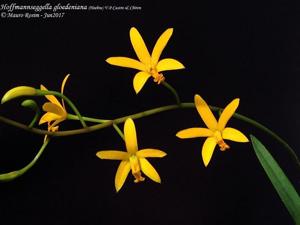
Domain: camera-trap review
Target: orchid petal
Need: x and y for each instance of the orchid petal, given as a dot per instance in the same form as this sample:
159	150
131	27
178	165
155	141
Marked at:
51	98
48	117
53	108
234	135
63	87
139	46
169	64
130	136
149	170
126	62
139	81
112	154
208	149
227	113
194	132
205	113
149	152
64	83
160	45
121	174
53	126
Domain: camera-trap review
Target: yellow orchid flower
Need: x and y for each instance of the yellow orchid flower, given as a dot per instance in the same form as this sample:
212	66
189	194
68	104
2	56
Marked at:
55	111
149	66
216	131
134	159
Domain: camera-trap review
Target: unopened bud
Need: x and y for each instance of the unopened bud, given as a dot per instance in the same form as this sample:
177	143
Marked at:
29	103
18	92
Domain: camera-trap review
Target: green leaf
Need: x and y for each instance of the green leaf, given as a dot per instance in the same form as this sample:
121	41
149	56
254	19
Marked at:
281	183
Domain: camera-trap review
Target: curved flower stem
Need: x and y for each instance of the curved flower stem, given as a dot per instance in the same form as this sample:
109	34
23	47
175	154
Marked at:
85	118
68	101
271	133
90	128
141	115
29	103
95	120
174	92
35	118
119	131
17	173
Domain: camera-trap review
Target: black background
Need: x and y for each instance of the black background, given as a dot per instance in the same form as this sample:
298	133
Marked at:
230	49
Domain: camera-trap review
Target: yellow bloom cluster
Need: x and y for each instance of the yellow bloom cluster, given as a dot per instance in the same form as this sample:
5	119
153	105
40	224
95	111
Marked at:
133	159
150	66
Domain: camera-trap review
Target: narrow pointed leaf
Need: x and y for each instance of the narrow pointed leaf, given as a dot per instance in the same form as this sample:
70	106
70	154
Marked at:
281	183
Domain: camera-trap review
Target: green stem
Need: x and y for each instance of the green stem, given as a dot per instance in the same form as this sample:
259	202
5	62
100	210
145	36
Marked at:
35	118
119	131
141	115
174	92
220	112
91	128
85	118
95	120
14	174
31	104
68	101
271	133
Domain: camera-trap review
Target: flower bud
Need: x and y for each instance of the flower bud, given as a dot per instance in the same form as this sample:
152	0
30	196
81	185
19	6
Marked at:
18	92
29	103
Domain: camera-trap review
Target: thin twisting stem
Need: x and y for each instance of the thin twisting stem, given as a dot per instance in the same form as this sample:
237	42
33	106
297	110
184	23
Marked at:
271	133
35	118
85	118
174	92
94	120
144	114
14	174
119	131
